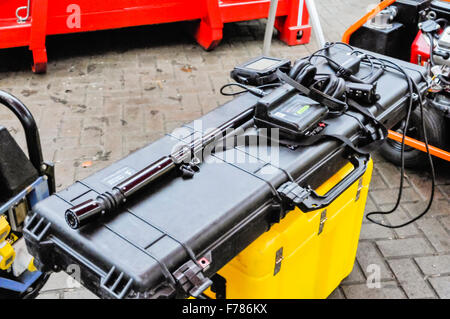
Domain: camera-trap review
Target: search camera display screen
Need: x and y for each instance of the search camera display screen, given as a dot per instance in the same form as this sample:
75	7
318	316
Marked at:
262	64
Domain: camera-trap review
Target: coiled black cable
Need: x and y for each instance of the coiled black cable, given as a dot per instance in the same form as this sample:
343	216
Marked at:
412	86
430	37
258	91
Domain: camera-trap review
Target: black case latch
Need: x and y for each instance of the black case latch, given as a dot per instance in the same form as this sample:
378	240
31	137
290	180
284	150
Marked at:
293	195
191	279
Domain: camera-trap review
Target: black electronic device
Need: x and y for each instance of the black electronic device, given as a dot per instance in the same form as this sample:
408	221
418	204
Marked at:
293	114
260	71
361	92
347	64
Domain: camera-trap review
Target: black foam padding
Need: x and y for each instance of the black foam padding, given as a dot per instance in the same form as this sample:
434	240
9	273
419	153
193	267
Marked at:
16	171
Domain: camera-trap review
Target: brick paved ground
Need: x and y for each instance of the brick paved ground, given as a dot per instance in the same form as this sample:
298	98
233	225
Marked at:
109	93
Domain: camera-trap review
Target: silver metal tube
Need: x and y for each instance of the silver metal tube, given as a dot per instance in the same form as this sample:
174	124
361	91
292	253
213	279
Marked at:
269	27
315	23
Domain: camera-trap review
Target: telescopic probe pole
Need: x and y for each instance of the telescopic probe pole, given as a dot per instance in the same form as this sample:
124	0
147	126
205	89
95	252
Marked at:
108	202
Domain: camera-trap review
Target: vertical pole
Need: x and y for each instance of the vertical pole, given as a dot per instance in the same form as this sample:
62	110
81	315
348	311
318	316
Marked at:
315	22
38	32
269	27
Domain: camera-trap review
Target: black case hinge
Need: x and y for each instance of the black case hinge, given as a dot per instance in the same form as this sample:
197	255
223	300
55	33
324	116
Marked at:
116	283
191	279
36	227
293	195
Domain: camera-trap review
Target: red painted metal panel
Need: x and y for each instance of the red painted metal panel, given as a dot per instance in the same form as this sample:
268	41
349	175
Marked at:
12	36
8	8
99	15
49	17
240	10
420	47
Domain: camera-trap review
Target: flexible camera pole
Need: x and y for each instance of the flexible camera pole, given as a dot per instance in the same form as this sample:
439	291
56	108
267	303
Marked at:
108	202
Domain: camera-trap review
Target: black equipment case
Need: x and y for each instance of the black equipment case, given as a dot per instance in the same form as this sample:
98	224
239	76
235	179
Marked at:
168	240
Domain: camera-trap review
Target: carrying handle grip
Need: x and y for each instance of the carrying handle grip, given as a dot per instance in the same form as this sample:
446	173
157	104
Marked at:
29	125
315	201
32	137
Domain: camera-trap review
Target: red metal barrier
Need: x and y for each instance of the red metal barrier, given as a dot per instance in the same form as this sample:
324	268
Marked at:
49	17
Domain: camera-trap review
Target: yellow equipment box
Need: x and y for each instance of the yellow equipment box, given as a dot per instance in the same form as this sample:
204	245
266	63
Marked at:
305	255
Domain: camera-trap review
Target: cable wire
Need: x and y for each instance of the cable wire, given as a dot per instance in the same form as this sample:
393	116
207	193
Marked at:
411	87
258	91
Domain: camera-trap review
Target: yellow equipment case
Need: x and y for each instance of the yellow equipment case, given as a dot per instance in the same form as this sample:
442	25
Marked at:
305	255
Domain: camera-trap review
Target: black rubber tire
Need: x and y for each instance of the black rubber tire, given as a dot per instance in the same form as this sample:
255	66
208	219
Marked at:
436	129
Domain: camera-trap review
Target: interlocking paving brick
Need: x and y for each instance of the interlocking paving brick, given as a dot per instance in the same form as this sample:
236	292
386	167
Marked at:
436	233
356	276
410	279
81	293
399	217
442	286
374	231
445	190
337	294
389	196
391	174
446	222
421	181
65	172
388	290
370	207
438	208
404	247
434	265
57	280
367	255
377	183
49	295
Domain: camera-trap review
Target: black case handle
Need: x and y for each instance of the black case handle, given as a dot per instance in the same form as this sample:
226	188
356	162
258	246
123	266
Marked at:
32	136
308	200
29	126
315	201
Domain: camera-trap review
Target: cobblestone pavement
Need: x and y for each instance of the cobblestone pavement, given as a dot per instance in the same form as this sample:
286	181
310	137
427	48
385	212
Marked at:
107	94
